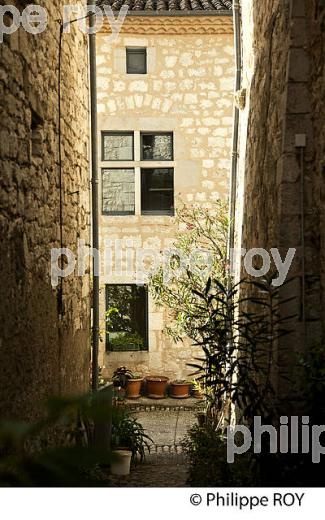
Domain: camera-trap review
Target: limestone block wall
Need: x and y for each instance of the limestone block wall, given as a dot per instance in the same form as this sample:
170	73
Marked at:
42	351
285	100
248	69
187	91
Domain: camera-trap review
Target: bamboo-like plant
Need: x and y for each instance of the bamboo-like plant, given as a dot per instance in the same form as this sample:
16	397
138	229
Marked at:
239	346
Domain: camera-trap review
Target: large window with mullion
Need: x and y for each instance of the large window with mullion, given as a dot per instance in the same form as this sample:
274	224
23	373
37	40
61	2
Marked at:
126	317
157	191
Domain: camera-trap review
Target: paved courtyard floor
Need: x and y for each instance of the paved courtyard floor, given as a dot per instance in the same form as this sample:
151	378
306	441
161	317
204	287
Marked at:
166	422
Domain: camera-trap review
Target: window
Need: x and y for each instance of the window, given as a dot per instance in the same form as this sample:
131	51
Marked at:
117	146
130	184
157	146
157	191
118	191
136	60
126	318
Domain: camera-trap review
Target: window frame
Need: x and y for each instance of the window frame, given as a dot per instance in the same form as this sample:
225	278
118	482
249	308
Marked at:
155	133
144	212
146	317
117	213
134	50
117	133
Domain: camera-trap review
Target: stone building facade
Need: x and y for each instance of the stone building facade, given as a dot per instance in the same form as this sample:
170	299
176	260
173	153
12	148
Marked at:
281	177
185	97
44	339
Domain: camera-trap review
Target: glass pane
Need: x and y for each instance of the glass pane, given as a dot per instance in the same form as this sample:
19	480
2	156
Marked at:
157	147
136	61
118	147
157	190
118	191
126	317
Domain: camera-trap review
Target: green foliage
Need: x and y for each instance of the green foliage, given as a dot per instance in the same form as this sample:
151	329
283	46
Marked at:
124	317
124	339
239	346
206	451
127	432
313	364
121	376
205	230
27	458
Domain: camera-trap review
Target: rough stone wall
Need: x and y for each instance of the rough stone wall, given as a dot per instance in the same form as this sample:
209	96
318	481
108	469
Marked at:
248	68
316	49
42	351
285	100
188	90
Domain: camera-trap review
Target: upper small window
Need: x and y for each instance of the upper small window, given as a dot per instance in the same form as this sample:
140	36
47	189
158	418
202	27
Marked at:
117	146
136	60
157	146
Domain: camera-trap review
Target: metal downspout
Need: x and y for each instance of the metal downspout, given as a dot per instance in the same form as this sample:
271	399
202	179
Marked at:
94	198
235	139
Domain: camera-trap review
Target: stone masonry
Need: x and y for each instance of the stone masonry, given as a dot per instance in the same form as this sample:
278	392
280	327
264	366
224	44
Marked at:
187	90
44	345
285	87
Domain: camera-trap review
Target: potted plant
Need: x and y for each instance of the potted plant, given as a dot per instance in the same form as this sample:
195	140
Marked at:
197	390
156	386
133	386
121	376
129	441
180	389
121	463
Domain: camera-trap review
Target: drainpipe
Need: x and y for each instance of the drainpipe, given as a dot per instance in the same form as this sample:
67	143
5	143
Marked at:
94	196
234	157
300	144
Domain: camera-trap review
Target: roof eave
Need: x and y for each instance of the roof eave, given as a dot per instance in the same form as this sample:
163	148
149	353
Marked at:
180	13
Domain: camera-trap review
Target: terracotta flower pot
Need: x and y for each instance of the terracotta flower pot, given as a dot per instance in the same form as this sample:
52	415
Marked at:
156	386
133	388
180	390
197	394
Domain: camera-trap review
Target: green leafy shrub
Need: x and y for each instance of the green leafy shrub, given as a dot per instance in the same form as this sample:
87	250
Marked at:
29	458
201	230
127	432
206	451
238	362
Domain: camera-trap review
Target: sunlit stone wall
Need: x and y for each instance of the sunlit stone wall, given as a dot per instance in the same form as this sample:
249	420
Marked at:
187	91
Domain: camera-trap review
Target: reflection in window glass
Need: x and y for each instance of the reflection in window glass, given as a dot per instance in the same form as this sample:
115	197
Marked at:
118	191
157	191
126	318
136	60
157	147
117	147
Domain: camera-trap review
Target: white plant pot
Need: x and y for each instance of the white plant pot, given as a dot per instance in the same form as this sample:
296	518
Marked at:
121	466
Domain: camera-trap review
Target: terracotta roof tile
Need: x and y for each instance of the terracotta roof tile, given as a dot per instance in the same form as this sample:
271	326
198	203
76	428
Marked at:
173	6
